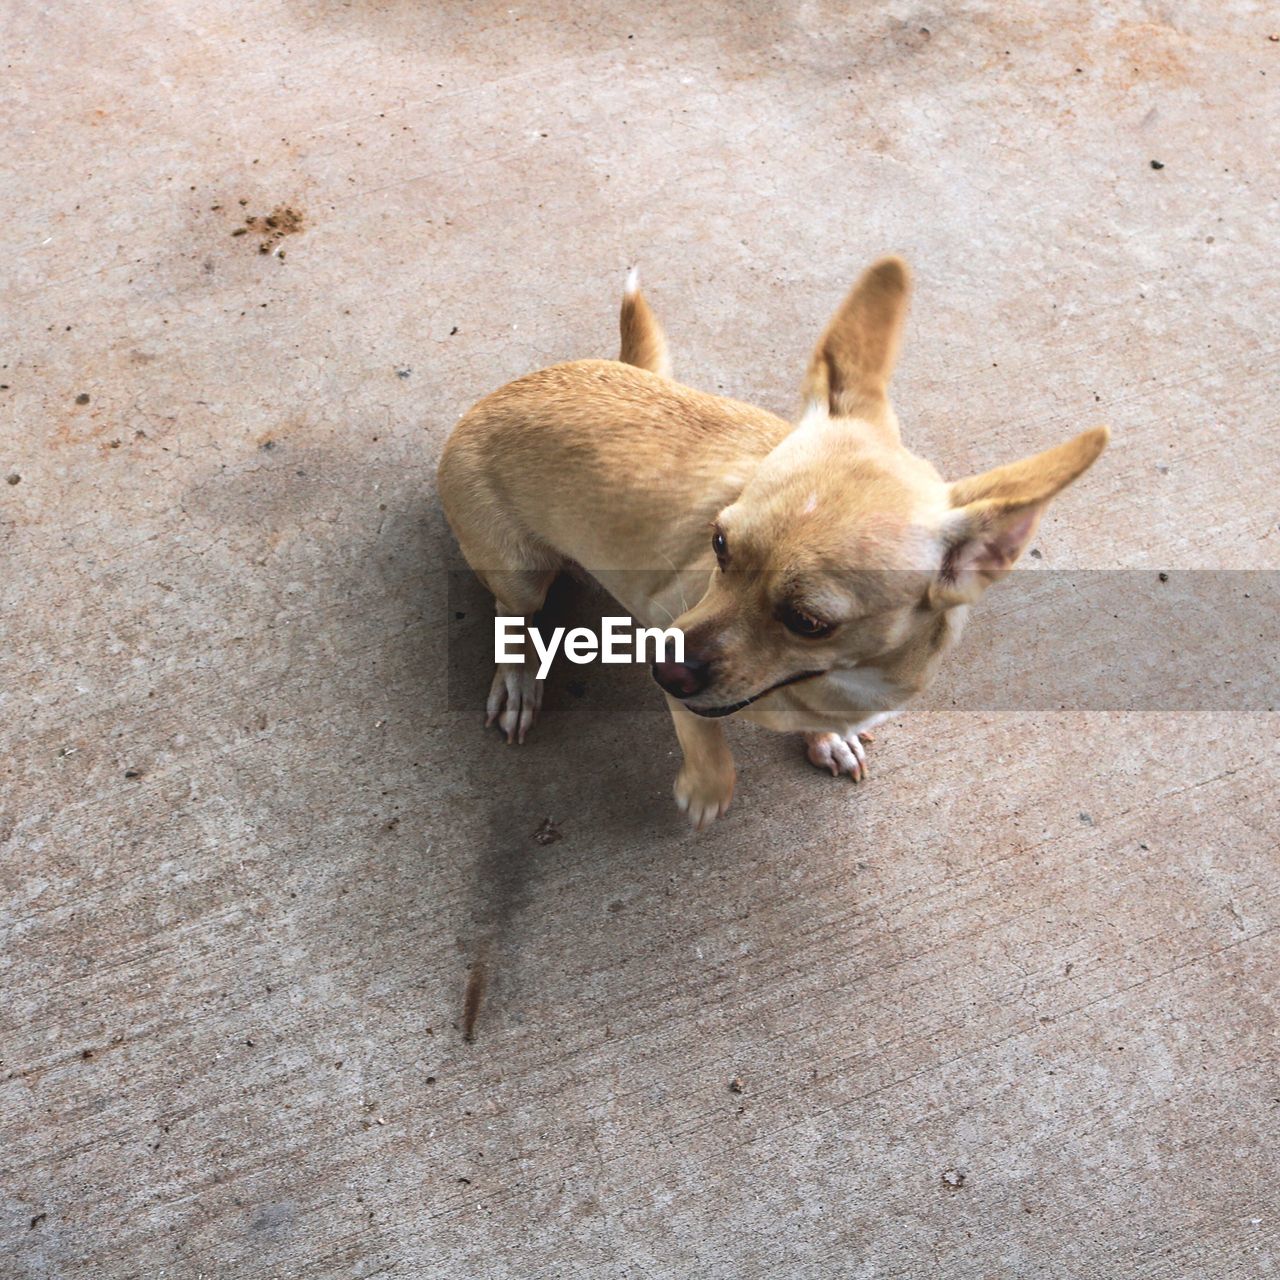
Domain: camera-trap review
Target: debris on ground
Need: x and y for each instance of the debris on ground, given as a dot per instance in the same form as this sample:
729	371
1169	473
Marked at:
736	1085
283	220
548	833
952	1179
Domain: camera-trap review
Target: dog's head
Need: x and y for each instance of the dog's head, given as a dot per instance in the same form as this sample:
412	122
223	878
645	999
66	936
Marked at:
844	550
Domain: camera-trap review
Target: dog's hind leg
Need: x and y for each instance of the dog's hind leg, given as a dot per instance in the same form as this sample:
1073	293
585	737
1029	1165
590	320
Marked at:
516	567
643	342
515	696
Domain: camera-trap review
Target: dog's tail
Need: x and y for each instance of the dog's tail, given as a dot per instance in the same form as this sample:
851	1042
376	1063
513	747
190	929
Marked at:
643	342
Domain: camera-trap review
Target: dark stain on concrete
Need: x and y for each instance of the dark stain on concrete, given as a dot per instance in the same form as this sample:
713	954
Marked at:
477	981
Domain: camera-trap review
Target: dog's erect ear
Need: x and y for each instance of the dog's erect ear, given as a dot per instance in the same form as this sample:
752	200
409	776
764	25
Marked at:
994	515
852	363
643	342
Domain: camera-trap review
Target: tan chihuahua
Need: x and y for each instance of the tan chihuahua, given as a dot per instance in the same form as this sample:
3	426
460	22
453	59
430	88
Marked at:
832	568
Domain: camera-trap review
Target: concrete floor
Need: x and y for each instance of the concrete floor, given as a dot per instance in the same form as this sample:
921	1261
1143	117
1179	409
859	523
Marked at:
1007	1010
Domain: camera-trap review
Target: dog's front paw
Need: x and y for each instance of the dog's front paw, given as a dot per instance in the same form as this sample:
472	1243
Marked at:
703	797
515	698
839	753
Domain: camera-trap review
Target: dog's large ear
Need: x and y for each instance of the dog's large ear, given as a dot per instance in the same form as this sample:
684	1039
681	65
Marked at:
849	373
994	515
643	342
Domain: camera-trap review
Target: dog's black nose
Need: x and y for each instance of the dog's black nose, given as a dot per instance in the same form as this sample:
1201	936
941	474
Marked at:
683	679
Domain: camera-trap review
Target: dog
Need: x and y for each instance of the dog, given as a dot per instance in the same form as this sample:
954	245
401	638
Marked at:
831	567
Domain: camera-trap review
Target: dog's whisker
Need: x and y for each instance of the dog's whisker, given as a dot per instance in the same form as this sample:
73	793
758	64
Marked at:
679	575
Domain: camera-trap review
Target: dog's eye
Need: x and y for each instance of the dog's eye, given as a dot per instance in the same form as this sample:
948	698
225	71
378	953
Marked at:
720	545
804	624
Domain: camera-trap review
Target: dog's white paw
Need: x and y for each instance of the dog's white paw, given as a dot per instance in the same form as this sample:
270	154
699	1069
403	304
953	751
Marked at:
703	798
839	753
515	697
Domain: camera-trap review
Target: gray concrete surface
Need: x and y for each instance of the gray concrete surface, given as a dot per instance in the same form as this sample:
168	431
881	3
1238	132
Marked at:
1008	1010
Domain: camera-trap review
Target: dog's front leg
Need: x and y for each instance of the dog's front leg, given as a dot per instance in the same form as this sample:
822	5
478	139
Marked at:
704	785
845	752
839	753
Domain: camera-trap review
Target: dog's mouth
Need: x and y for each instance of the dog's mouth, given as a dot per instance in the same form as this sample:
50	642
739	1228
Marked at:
714	713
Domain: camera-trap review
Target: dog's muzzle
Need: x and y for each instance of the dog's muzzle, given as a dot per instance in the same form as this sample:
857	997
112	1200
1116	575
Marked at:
715	713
